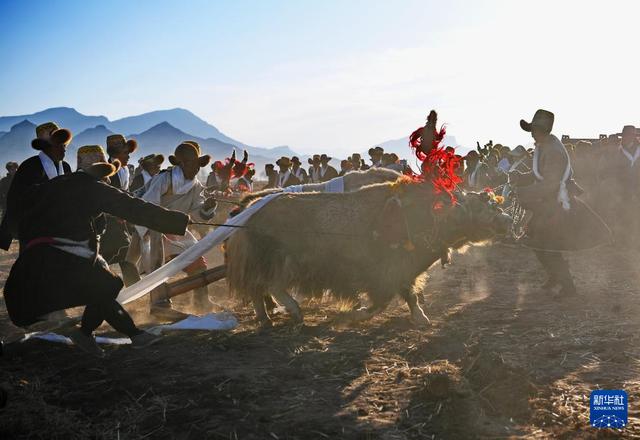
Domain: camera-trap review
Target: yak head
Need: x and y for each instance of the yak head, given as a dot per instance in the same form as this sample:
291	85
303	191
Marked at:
479	216
422	216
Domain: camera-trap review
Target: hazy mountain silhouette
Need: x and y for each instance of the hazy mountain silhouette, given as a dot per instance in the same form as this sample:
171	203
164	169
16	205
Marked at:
63	116
15	145
163	138
92	136
177	117
95	129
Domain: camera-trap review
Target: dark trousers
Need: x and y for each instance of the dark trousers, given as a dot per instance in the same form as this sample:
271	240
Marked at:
556	266
113	313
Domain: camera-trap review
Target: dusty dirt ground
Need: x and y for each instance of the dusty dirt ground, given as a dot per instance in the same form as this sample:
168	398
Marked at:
502	359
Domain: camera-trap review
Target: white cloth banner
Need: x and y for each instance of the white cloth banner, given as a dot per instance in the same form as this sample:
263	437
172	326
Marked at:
335	185
211	321
213	238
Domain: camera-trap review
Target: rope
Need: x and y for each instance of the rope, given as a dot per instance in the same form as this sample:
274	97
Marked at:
222	225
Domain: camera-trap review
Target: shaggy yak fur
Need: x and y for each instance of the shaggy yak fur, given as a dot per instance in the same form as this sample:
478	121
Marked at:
353	181
377	241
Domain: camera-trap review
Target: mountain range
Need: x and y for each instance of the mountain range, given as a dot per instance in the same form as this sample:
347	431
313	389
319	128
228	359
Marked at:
156	132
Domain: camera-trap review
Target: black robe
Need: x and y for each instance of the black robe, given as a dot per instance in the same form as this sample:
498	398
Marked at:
30	172
291	180
114	244
552	227
331	173
44	278
5	184
137	183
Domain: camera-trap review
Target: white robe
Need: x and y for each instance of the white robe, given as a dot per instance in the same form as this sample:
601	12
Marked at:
171	190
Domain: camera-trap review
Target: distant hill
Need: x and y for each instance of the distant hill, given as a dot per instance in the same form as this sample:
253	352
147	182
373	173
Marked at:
163	138
15	145
63	116
177	117
157	131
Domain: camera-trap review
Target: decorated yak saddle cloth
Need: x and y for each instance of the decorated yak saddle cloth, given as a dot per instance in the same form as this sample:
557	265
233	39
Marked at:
563	192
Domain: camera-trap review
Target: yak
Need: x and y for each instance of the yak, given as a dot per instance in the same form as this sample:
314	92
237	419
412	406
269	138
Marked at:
351	181
377	241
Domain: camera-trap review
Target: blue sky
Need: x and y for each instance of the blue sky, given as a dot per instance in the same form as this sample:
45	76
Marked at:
330	75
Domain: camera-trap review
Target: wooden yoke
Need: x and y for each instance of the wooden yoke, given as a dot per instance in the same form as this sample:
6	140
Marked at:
168	290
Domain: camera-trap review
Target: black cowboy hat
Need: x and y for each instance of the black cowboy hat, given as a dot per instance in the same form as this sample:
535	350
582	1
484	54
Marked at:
283	162
117	143
326	158
542	119
629	130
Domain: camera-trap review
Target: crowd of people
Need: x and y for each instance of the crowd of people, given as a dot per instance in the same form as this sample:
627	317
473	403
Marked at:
605	169
70	226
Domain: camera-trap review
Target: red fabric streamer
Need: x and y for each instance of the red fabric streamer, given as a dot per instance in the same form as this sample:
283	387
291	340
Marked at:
438	165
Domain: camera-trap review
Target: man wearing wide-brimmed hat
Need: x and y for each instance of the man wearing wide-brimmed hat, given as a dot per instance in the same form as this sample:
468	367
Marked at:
285	176
519	159
314	169
51	142
120	149
298	171
560	221
356	162
619	180
475	176
327	172
62	267
272	176
150	166
115	242
5	183
178	188
375	155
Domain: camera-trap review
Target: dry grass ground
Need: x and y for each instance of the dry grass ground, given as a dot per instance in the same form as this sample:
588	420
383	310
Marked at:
502	359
